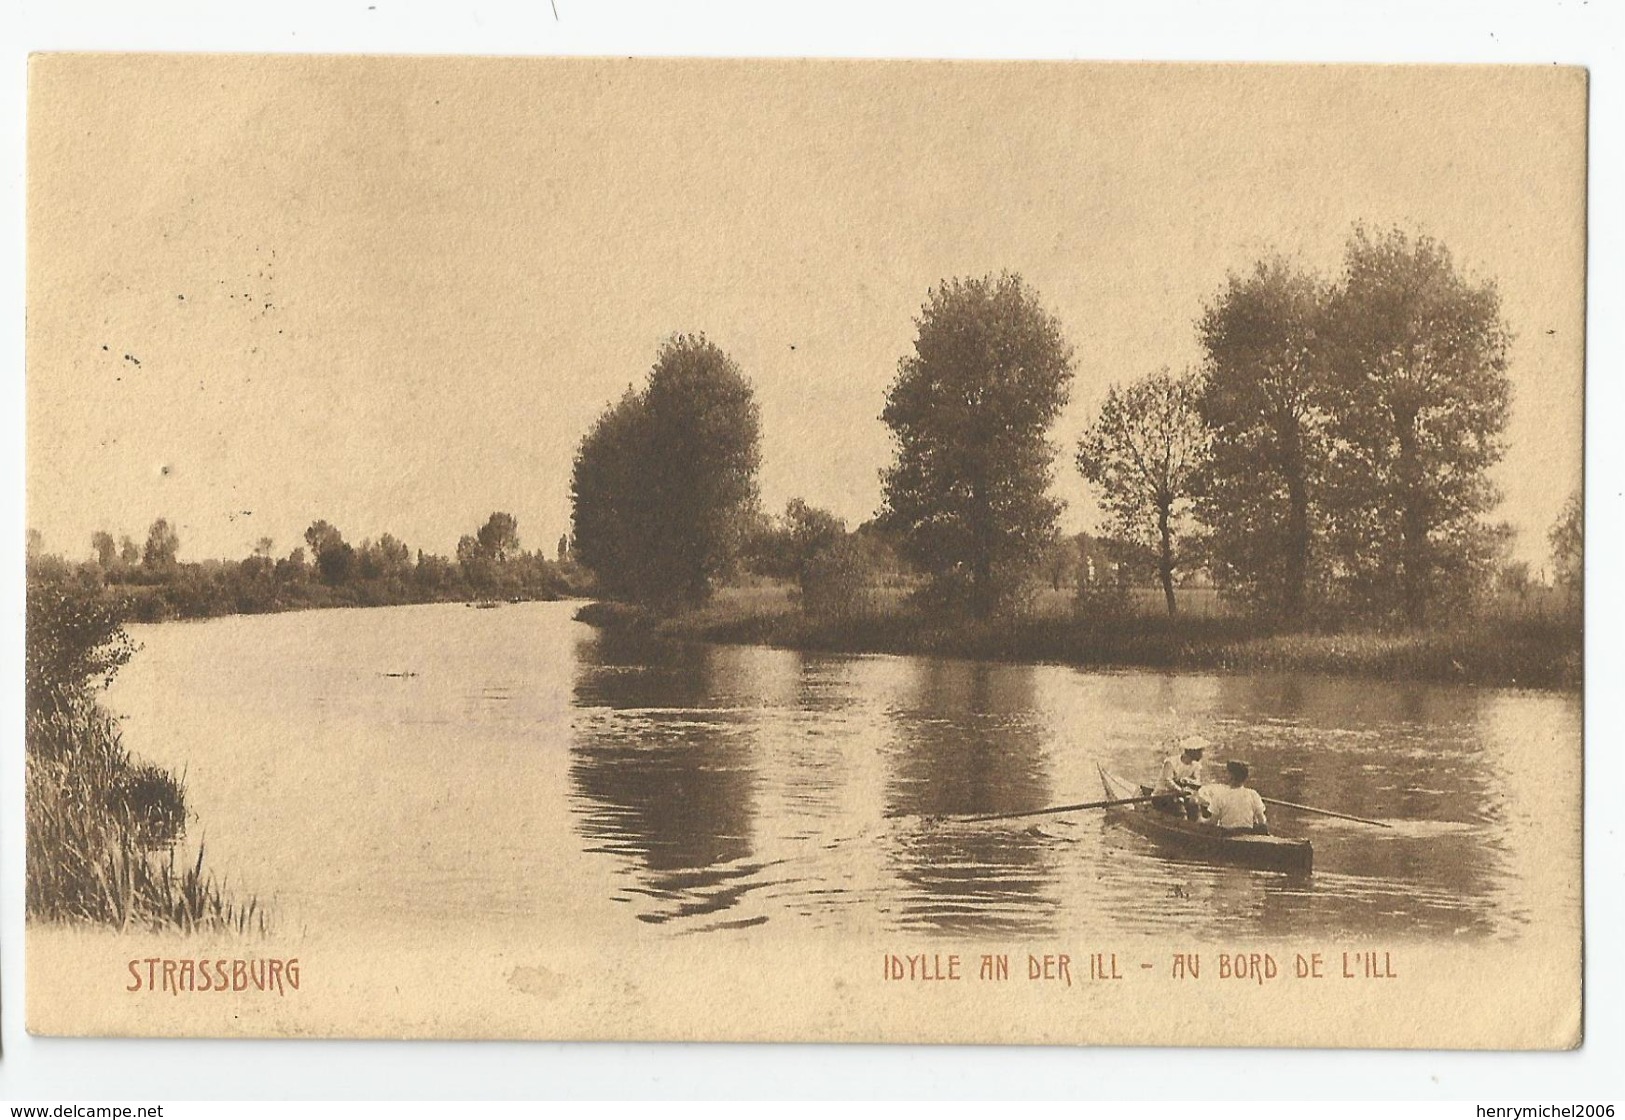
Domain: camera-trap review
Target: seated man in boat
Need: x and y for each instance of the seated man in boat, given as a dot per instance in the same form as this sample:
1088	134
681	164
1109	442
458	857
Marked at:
1233	807
1181	777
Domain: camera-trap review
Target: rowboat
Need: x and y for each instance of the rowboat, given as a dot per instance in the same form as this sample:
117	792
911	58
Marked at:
1194	839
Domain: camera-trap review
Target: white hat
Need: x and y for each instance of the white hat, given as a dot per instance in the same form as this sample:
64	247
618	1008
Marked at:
1194	743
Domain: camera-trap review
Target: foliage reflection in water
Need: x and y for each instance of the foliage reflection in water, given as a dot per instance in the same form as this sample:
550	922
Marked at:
761	783
438	766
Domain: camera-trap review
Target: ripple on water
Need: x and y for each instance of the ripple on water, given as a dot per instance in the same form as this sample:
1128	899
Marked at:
705	789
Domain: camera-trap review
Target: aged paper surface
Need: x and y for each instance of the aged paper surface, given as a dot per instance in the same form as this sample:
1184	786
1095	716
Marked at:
323	316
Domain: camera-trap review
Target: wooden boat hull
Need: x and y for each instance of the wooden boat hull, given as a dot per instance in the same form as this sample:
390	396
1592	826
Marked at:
1198	841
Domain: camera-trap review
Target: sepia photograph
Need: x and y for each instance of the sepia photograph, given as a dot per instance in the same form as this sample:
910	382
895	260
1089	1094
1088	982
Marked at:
792	550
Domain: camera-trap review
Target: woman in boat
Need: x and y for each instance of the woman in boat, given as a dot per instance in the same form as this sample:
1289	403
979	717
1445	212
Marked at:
1233	807
1180	779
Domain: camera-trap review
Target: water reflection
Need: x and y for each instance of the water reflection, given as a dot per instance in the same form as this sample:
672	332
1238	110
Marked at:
967	741
734	785
666	775
1400	753
547	773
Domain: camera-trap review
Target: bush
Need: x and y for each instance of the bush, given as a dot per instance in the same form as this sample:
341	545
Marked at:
74	641
835	582
152	801
1102	601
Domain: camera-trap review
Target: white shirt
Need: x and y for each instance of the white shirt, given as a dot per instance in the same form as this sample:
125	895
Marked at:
1233	807
1174	771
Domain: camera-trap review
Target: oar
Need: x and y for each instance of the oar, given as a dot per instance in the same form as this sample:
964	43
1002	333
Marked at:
1328	813
1058	809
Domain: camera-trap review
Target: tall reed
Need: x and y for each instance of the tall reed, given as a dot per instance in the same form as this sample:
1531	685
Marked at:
103	834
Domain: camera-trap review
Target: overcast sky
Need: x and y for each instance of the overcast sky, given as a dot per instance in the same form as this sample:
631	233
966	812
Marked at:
394	293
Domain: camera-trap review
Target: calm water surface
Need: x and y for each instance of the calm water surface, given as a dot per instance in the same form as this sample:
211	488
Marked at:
438	765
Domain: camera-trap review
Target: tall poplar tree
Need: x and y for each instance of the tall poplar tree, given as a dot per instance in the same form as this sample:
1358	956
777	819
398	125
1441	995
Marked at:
970	411
665	481
1418	357
1263	397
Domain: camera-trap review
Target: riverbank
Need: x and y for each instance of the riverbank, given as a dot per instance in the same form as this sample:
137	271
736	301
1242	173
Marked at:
1542	653
103	828
198	599
216	588
161	604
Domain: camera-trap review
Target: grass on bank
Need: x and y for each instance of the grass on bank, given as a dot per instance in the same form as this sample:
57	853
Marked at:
103	831
1522	651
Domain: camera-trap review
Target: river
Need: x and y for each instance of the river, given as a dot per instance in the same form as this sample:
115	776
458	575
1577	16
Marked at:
432	767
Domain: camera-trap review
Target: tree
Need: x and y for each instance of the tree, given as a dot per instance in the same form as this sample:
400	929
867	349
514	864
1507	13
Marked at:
1567	538
321	535
1144	451
609	500
485	556
665	480
163	543
829	567
704	441
433	574
1060	562
293	568
478	570
394	558
106	550
970	411
1421	398
129	553
811	528
386	559
1262	397
1478	552
334	559
336	564
499	537
74	641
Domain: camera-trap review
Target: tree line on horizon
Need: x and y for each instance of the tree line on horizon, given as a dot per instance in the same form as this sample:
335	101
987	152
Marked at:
1327	459
326	571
